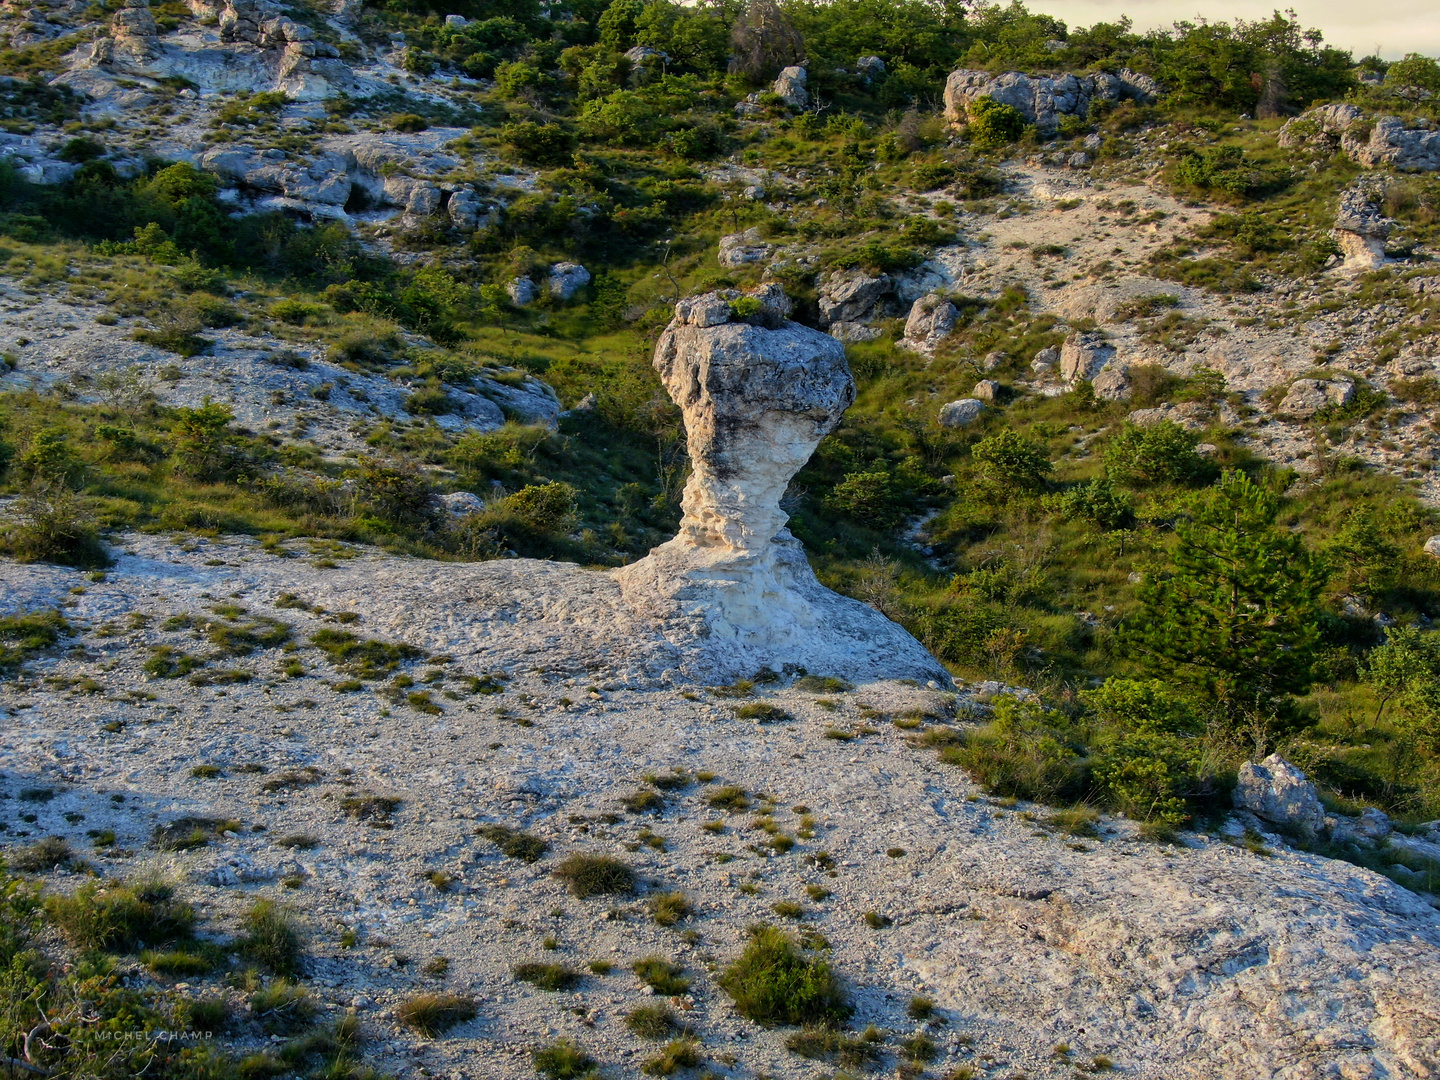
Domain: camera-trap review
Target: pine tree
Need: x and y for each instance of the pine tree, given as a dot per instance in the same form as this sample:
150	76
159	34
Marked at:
1235	620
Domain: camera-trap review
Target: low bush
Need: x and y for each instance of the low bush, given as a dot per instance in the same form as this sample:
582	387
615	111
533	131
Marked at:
433	1014
550	977
563	1059
775	982
514	843
272	939
121	916
596	875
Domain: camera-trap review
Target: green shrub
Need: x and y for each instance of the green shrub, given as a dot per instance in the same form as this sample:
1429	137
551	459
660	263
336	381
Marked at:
1155	454
53	524
539	144
668	908
1224	169
200	446
1010	462
872	498
1096	503
121	916
1026	752
397	494
563	1060
432	1014
994	125
596	875
775	982
282	1007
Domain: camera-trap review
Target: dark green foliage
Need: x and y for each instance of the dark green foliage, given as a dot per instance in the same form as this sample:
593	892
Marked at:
1235	619
1155	454
1010	463
201	448
775	982
515	843
596	875
994	125
1097	503
1224	169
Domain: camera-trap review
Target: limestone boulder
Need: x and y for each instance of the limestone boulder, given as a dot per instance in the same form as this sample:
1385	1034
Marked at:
464	208
566	279
1276	791
1306	397
931	320
1045	360
1372	142
853	296
1044	99
870	68
742	249
986	390
789	85
522	291
853	331
1112	383
1432	547
961	413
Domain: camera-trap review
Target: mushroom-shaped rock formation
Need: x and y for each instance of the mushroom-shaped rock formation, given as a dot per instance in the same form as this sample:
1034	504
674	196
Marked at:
733	590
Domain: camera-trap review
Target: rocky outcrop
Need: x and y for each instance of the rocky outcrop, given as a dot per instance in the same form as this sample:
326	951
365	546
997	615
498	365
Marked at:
1361	228
1279	793
757	393
789	86
258	48
1083	355
1384	140
931	321
1306	397
1044	99
742	249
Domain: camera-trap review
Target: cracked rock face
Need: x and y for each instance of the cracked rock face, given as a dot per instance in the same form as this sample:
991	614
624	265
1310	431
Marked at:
733	590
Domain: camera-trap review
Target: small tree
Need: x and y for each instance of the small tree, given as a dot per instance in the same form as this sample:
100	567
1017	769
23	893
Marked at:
1413	78
1155	454
1235	618
199	445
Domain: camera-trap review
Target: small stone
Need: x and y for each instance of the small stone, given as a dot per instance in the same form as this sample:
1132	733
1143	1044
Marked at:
1432	547
986	390
566	279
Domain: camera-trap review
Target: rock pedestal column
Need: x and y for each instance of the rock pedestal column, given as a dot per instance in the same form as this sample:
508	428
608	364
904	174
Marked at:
757	393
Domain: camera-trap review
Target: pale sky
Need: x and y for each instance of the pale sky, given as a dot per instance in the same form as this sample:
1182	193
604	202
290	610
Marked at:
1396	26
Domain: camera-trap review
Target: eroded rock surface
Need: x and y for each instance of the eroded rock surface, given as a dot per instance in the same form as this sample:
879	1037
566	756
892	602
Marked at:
1044	99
